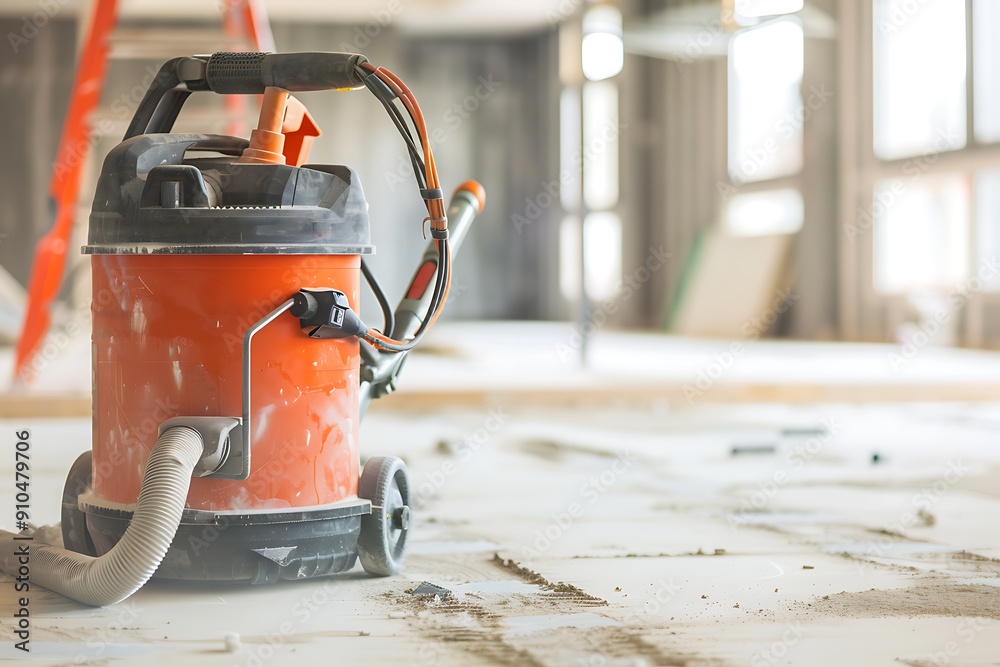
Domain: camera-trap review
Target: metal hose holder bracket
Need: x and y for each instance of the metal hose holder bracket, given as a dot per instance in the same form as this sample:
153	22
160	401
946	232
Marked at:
227	439
218	434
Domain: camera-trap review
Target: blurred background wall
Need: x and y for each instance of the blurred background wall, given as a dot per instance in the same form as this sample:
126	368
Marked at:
753	154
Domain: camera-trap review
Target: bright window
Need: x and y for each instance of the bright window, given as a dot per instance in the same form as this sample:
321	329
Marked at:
921	234
603	49
603	254
762	213
919	74
590	235
987	193
765	101
767	7
600	145
986	72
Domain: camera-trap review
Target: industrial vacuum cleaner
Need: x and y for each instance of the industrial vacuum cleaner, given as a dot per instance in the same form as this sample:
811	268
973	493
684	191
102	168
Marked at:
231	366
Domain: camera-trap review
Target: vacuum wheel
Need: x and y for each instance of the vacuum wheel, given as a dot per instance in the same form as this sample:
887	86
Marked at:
382	542
76	537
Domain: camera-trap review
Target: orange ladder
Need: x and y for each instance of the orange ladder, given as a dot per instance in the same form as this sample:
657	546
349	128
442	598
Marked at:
49	264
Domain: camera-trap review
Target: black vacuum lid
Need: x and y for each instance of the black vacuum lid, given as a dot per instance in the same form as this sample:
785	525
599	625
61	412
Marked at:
154	197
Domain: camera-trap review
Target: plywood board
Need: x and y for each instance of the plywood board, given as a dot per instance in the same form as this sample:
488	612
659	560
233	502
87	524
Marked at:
733	282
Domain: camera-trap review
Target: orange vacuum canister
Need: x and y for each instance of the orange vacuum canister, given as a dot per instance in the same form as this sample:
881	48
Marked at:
226	287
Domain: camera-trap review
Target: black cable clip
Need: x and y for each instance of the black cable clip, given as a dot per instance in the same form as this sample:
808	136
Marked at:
326	313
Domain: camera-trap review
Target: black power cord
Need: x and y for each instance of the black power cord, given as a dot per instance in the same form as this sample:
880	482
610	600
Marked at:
443	271
383	302
385	95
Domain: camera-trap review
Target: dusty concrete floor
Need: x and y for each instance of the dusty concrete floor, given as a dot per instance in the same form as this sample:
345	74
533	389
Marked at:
710	535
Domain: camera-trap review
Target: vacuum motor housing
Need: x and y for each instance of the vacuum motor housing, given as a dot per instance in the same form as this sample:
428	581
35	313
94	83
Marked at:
188	249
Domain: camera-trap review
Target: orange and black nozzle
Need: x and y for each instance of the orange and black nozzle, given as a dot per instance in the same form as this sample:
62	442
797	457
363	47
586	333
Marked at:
267	143
284	133
475	189
379	370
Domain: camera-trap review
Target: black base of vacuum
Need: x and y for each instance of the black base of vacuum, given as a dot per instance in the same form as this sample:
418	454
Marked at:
257	546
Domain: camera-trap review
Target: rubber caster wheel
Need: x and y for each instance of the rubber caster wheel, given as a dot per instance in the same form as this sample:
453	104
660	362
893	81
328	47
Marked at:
382	541
75	535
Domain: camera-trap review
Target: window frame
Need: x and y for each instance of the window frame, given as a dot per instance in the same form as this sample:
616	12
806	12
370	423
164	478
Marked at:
864	313
787	181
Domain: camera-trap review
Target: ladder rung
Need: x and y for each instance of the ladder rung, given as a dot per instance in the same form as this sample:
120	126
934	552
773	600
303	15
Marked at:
106	123
170	35
166	52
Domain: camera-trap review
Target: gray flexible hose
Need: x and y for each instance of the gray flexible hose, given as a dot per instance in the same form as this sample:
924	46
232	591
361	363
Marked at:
129	564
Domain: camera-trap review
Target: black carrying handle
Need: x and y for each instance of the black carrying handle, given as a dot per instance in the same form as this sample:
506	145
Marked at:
246	73
251	73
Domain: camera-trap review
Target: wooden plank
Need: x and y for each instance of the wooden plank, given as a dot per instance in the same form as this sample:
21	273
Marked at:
648	395
79	405
21	406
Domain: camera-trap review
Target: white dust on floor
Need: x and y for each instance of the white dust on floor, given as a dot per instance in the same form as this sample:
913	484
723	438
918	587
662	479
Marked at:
614	537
